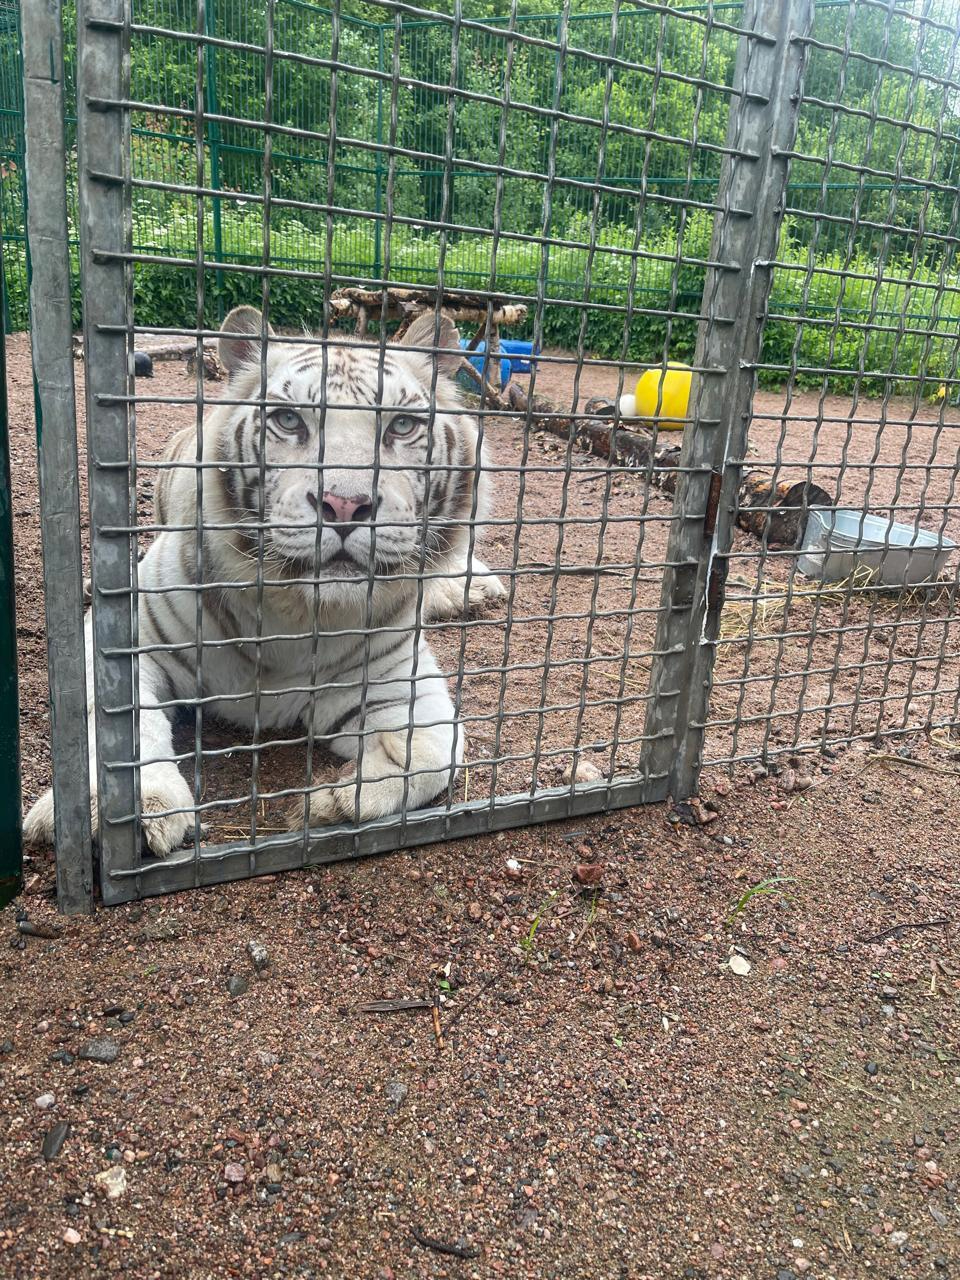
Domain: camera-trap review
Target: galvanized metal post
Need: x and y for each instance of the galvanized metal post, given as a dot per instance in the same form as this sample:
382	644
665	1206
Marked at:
103	44
51	332
762	127
11	839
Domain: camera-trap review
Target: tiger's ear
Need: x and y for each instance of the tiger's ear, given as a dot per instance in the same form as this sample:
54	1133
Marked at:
445	344
240	338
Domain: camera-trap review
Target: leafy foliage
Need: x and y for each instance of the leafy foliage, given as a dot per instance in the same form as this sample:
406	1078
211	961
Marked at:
538	208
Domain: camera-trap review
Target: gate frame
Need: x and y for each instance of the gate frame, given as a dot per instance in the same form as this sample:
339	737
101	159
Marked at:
762	116
769	75
51	337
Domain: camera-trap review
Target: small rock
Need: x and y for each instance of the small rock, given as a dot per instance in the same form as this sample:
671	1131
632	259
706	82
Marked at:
740	965
634	941
898	1238
54	1139
758	773
113	1181
45	1101
234	1173
102	1049
71	1236
871	1068
787	782
475	911
513	870
803	783
395	1092
588	873
259	956
581	771
237	985
274	1173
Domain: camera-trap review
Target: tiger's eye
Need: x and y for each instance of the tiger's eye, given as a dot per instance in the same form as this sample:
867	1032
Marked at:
288	420
403	426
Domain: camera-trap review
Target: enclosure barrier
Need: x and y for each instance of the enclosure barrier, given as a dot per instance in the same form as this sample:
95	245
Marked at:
359	595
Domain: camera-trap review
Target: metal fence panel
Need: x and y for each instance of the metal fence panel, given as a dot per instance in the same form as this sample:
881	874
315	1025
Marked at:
856	393
765	190
548	676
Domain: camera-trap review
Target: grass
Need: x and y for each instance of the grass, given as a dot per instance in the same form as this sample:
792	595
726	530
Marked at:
529	941
771	887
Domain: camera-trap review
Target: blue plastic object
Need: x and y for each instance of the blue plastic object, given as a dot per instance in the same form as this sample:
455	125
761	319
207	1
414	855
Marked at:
511	357
476	359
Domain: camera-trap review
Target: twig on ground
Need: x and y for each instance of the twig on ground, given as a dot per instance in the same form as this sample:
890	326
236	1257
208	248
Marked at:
897	929
890	757
395	1006
437	1030
442	1246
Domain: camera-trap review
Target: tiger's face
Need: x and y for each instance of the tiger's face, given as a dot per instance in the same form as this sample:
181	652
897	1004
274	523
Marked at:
347	466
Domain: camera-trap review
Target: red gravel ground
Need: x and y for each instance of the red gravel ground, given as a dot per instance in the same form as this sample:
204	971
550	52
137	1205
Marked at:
609	1098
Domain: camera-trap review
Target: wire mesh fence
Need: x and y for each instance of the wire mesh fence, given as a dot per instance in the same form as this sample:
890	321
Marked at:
818	650
357	588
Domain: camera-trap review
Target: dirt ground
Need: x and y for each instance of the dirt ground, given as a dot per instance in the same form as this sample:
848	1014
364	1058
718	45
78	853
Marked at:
606	1096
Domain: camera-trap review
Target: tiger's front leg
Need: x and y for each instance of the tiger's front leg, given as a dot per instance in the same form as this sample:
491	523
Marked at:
403	766
165	798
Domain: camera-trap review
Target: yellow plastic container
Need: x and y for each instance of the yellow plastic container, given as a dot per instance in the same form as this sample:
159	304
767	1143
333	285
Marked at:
670	390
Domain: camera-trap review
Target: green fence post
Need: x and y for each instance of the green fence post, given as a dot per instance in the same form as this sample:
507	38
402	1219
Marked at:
11	840
213	127
378	180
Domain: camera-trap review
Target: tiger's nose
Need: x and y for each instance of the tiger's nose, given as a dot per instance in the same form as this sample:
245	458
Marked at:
340	510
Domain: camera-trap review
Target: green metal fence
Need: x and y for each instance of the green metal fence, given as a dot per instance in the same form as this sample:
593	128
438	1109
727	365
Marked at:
389	171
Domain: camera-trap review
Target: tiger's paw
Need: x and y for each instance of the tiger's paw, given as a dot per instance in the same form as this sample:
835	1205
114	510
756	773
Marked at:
161	788
456	597
388	784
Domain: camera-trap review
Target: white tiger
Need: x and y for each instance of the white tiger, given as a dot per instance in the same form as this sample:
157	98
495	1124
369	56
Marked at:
412	507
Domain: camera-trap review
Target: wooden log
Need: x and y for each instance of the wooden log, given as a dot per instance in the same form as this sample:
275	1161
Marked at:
776	512
783	508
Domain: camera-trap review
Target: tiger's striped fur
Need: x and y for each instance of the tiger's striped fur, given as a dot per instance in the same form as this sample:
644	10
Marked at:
347	531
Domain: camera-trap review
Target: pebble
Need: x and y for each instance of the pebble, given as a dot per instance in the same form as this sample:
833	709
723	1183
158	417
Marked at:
54	1139
259	956
234	1173
475	911
897	1238
71	1236
395	1092
237	985
45	1101
581	771
113	1181
740	965
871	1068
102	1049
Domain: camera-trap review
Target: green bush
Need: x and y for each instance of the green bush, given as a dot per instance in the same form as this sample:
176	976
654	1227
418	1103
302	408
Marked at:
826	312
